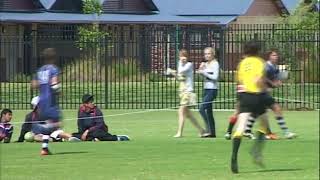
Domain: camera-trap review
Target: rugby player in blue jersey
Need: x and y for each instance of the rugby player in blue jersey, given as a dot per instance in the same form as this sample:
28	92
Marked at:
47	82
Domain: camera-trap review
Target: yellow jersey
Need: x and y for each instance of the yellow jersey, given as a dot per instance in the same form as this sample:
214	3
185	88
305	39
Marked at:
249	71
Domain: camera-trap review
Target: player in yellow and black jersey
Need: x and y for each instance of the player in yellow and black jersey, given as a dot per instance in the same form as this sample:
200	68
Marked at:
251	78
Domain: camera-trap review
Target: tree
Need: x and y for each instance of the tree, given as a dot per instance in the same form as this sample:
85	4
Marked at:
90	35
305	16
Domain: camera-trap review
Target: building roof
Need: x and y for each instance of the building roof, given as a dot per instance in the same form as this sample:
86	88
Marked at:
219	12
203	7
51	17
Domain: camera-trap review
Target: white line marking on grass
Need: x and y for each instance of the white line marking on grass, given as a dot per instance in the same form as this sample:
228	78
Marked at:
123	114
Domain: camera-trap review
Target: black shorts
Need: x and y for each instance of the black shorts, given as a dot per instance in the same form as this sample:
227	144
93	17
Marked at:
251	103
268	100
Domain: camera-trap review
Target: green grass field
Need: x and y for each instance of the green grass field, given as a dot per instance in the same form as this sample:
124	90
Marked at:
154	154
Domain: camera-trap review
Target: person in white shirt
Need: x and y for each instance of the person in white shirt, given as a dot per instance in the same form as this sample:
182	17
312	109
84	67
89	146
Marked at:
187	98
210	72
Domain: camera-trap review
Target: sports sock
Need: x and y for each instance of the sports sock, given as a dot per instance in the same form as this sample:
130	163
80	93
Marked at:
232	122
45	141
259	143
230	127
234	156
235	147
282	124
249	125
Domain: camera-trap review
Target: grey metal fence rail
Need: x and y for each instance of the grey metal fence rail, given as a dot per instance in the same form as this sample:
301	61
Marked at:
126	68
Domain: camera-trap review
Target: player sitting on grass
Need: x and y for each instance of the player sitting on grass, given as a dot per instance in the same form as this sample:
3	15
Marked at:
91	125
31	131
6	129
187	97
273	80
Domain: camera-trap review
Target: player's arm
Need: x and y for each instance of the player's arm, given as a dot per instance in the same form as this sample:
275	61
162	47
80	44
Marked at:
272	83
81	119
260	79
171	72
185	68
35	82
55	84
26	127
214	75
99	121
54	81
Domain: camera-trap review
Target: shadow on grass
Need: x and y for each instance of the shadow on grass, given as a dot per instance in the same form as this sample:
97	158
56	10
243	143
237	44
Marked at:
65	153
274	170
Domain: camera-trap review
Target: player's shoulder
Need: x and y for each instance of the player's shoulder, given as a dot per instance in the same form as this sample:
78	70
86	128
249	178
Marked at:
52	67
7	126
253	59
98	111
215	63
256	61
28	116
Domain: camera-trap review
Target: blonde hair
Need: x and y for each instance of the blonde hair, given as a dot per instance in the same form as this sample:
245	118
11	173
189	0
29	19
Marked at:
183	53
212	51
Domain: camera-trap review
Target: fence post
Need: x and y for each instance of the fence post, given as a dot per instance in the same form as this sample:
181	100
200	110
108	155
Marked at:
106	73
177	44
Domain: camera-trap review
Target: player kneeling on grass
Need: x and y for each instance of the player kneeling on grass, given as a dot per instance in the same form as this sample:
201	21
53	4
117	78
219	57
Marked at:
187	98
6	129
91	125
31	130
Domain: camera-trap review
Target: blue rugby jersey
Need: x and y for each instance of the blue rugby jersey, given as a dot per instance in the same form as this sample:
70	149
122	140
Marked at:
47	94
272	72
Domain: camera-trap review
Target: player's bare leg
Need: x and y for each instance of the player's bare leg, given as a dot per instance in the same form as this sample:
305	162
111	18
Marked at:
195	122
38	138
232	122
60	134
242	120
182	116
256	151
